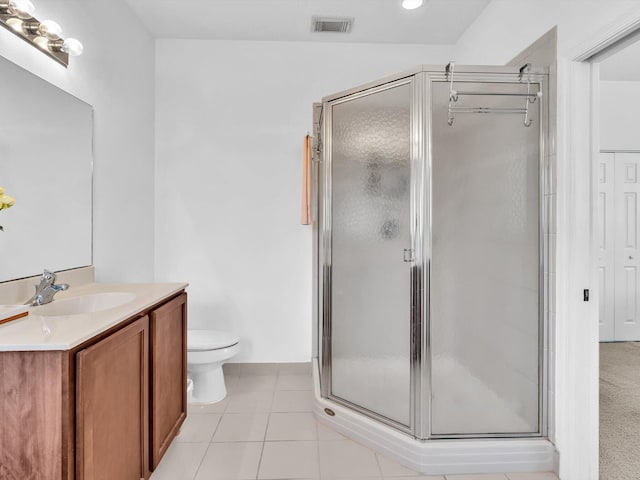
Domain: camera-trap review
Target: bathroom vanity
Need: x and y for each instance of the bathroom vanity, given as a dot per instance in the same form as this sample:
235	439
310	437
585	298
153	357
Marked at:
97	395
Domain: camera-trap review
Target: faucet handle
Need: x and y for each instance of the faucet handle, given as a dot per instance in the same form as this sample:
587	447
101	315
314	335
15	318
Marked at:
48	278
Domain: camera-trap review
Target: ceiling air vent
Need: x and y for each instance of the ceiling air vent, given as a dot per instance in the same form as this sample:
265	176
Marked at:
332	24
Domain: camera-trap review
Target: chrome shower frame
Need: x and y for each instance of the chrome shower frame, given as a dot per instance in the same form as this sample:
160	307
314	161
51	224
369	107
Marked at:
421	79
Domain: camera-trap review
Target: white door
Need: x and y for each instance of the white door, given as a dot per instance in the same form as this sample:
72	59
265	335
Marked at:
618	238
606	248
627	260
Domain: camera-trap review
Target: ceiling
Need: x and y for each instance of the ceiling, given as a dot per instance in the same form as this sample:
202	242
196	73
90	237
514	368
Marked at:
623	65
376	21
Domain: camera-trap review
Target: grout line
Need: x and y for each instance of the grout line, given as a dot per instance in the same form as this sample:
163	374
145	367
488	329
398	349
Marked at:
216	429
264	441
320	469
260	461
375	454
201	461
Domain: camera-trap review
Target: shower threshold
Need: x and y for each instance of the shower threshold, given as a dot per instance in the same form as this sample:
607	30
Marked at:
436	457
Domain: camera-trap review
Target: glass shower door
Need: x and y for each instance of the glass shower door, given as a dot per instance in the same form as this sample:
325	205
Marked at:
370	291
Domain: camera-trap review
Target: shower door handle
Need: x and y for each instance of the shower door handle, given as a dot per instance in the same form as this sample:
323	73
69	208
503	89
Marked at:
409	255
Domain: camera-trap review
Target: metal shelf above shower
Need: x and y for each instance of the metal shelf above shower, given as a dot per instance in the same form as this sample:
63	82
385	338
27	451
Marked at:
454	95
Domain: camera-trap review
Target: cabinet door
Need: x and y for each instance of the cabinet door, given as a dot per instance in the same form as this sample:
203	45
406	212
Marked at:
168	374
112	422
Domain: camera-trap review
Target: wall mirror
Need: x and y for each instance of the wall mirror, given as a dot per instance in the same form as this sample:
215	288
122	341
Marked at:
46	163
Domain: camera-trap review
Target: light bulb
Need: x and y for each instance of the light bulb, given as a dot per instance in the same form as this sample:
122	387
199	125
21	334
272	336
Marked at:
15	24
22	8
50	29
72	46
411	4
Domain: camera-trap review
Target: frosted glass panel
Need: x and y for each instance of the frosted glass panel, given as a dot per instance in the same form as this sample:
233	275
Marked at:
485	267
370	283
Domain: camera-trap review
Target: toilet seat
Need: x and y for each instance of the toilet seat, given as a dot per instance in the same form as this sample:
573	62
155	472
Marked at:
206	340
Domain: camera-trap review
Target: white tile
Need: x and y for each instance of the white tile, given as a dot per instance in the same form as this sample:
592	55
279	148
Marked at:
326	433
293	382
345	458
230	461
255	383
289	460
420	477
232	369
390	467
248	402
292	401
198	428
479	476
217	407
292	426
249	369
532	476
242	427
230	381
295	368
181	461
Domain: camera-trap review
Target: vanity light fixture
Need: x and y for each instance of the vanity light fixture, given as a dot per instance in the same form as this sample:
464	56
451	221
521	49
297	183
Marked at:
46	35
411	4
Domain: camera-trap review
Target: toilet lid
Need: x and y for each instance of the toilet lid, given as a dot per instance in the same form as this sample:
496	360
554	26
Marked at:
210	339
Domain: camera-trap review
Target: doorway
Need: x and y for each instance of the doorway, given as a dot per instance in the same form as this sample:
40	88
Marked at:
617	219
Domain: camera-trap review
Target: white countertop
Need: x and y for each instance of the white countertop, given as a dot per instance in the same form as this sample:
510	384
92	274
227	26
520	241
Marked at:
37	332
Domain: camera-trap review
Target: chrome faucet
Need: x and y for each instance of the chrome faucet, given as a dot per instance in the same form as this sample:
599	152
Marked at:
46	290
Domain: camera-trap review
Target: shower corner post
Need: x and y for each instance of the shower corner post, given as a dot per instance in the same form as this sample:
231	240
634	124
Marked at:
420	374
316	152
324	261
545	260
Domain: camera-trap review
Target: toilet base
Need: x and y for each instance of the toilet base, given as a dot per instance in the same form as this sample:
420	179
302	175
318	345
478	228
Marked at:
208	384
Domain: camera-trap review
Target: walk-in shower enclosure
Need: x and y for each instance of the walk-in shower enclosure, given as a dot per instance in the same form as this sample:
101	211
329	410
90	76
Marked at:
431	304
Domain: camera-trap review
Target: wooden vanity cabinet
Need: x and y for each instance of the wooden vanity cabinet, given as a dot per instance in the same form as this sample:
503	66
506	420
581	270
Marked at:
105	410
112	413
168	374
33	421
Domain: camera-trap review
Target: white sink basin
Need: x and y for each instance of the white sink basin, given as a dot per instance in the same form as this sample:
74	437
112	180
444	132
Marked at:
95	302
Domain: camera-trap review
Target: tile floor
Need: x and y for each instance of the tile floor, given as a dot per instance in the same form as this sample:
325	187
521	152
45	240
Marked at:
264	429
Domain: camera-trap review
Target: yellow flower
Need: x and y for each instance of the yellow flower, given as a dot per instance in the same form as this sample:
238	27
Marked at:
6	201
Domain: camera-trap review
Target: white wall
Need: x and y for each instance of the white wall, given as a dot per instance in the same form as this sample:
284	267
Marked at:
619	126
506	27
115	75
230	122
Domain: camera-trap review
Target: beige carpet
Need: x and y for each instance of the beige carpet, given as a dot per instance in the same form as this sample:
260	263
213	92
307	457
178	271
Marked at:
620	411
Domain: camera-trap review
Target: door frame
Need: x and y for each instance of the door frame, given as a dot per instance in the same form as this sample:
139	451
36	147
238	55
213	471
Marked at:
577	334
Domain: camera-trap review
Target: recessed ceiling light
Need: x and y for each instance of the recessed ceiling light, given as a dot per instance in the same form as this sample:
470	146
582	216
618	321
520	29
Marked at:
411	4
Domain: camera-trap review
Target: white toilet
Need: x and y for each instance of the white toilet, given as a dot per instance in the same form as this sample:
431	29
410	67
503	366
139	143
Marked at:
207	351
